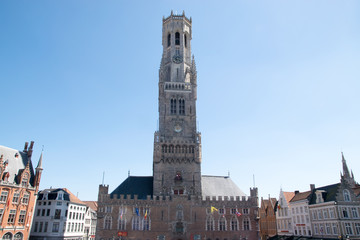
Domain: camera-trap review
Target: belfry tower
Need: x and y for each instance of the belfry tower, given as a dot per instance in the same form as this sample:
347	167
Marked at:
177	144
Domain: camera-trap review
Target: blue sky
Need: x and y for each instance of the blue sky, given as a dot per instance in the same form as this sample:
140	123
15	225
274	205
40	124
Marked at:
278	89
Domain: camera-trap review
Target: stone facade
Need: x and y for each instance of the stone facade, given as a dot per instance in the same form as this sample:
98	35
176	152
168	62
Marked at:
177	202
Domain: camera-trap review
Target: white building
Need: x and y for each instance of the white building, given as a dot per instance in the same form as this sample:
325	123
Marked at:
299	206
283	214
59	214
90	220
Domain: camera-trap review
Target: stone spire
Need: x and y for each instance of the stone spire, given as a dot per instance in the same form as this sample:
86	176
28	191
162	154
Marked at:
346	173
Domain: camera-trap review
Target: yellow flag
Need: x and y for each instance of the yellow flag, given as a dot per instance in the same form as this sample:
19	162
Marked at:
213	208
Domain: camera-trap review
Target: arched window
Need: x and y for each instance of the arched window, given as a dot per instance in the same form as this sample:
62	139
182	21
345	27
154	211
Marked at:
107	222
234	224
177	38
7	236
164	148
210	223
136	223
169	40
346	195
173	106
185	40
122	223
182	107
171	149
222	224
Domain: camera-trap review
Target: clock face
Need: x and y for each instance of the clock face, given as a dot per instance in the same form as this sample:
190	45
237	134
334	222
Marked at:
177	59
177	128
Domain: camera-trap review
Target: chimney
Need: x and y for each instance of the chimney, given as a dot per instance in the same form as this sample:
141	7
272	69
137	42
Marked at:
296	192
312	187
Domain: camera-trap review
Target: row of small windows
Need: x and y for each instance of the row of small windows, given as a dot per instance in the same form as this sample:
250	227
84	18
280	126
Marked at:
16	197
173	109
72	227
223	226
177	39
344	213
12	216
177	148
8	236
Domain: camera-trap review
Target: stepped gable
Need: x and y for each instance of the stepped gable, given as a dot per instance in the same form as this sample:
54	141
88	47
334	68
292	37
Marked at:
15	162
301	196
328	195
219	186
134	185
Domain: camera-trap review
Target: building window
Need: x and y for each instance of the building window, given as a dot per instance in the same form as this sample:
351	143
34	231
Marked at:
332	213
348	229
345	212
107	222
173	106
346	195
3	196
210	223
18	236
58	203
43	212
24	182
185	40
25	199
48	212
177	38
41	226
357	228
169	40
146	224
328	228
1	214
16	198
108	209
246	211
316	228
354	212
136	223
55	227
57	214
22	216
12	214
60	196
122	223
319	214
234	224
182	107
222	224
335	229
46	226
7	236
246	224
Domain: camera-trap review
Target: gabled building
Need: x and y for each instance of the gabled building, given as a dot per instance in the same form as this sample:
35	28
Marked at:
19	184
59	214
267	218
299	206
177	201
90	220
283	214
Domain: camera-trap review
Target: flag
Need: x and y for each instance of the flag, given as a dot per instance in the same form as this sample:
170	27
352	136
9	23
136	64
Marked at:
279	206
145	214
213	208
137	211
238	214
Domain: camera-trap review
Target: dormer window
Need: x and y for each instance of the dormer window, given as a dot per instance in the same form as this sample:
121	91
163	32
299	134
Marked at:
177	38
60	196
346	194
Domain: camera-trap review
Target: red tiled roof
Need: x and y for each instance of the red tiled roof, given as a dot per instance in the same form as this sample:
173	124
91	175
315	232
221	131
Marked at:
73	198
301	196
288	196
92	204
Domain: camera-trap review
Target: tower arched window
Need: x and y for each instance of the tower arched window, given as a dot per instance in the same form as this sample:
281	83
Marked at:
136	222
177	38
107	222
182	107
173	106
246	224
346	195
169	40
146	223
234	224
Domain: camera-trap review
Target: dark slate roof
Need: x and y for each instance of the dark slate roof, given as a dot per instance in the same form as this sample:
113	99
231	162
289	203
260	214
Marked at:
219	186
53	192
141	186
328	195
17	161
301	196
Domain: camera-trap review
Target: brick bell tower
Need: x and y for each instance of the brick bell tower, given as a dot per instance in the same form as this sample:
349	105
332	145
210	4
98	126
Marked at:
177	144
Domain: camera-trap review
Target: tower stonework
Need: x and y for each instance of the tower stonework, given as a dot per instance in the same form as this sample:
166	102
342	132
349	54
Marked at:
177	144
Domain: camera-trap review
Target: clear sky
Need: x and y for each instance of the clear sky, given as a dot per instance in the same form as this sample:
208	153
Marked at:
278	89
